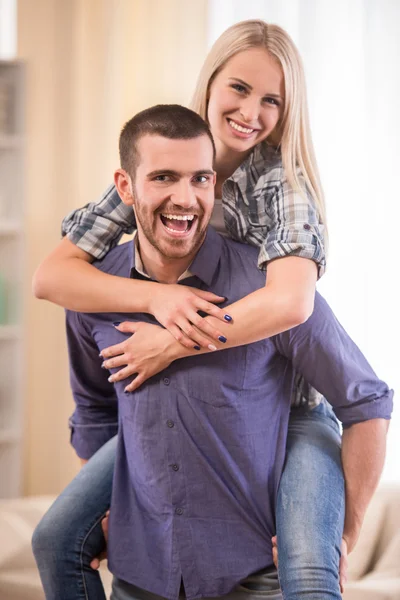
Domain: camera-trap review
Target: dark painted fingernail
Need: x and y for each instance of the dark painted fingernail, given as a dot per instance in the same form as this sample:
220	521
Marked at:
116	323
197	347
228	318
222	339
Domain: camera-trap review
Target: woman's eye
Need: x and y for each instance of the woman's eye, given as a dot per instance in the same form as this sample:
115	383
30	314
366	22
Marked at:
239	88
273	101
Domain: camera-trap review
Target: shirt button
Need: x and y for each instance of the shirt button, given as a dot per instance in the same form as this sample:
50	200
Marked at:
175	467
306	226
166	380
179	511
170	423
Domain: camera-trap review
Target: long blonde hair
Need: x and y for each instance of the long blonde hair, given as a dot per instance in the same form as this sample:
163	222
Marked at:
293	133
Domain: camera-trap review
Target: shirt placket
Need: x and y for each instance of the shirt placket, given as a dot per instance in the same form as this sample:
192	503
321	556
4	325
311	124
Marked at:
181	538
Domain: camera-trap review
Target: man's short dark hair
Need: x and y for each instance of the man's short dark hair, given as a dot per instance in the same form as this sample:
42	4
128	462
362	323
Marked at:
171	121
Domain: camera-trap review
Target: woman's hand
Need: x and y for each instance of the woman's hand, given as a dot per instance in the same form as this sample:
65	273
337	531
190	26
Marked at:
95	564
175	307
150	350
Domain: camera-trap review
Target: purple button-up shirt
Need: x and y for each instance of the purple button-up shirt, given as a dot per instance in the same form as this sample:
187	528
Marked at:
201	445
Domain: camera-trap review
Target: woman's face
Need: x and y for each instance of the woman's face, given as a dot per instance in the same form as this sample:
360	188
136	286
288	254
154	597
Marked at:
245	101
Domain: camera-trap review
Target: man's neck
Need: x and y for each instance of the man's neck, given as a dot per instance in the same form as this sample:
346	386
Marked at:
161	268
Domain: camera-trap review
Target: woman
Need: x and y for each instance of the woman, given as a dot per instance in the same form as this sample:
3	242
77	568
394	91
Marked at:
251	91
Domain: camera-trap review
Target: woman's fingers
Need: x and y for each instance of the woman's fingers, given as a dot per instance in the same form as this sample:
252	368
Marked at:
196	337
214	311
136	383
181	336
113	350
205	328
127	326
209	296
127	371
117	361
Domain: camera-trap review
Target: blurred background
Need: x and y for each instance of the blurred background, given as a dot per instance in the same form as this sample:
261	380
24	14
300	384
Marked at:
73	71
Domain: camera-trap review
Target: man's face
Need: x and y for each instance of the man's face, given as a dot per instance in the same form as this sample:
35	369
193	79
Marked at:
174	193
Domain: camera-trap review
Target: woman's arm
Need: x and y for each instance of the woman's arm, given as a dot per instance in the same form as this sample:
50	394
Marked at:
67	278
287	300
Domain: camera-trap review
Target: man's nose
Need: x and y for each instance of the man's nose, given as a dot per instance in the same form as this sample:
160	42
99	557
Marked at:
184	195
250	110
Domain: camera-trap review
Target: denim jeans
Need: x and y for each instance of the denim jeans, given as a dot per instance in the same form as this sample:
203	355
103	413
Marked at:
310	515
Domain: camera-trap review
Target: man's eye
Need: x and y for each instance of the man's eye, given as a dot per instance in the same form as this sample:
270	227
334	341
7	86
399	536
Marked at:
161	178
202	179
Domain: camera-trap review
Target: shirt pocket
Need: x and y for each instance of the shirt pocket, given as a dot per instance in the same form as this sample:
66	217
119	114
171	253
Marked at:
220	382
258	216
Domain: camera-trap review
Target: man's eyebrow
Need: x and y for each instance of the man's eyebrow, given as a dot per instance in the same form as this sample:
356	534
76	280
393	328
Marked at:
162	172
250	87
203	172
173	173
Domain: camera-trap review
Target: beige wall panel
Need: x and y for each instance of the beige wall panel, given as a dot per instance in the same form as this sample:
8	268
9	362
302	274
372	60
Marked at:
91	64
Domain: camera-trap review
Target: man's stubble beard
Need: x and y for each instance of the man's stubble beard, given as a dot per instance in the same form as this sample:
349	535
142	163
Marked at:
148	232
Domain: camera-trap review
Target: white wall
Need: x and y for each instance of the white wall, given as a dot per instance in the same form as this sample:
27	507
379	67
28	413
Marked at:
351	53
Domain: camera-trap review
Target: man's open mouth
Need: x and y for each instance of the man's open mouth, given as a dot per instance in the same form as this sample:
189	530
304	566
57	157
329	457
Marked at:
177	223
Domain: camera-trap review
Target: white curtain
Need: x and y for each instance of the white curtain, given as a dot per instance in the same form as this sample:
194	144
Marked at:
8	29
351	53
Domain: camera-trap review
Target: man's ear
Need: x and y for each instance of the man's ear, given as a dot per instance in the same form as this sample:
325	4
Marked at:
124	186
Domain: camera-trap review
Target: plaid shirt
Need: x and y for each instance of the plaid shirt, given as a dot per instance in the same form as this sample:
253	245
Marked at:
260	209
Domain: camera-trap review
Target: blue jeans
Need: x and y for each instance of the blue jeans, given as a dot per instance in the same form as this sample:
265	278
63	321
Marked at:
310	515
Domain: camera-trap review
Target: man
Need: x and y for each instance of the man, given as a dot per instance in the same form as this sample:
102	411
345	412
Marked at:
201	445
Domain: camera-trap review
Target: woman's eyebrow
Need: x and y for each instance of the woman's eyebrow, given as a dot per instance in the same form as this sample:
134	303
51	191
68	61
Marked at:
241	82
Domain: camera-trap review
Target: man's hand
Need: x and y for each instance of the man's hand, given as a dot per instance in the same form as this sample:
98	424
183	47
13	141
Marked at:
274	541
95	564
343	564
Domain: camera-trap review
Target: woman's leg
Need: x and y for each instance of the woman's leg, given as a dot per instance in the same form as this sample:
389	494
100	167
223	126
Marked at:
70	535
310	507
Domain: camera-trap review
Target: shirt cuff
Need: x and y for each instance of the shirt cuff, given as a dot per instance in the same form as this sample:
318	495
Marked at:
293	243
378	408
87	439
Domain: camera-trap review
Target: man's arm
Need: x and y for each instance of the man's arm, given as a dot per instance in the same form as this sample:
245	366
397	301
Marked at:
330	361
363	457
95	419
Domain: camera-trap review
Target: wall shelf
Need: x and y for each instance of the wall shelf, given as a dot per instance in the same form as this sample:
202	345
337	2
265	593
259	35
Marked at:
12	238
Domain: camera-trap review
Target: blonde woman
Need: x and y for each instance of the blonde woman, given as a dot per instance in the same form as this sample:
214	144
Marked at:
252	93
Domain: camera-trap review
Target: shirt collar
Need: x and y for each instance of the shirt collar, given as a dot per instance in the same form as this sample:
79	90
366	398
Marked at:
203	266
261	154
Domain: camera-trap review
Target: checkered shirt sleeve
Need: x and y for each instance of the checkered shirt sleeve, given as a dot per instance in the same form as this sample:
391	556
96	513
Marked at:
98	226
293	227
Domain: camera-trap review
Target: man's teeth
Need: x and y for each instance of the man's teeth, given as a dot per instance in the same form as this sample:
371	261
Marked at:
179	217
239	127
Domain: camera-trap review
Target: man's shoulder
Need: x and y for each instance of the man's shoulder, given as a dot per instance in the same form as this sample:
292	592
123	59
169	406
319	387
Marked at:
117	261
240	251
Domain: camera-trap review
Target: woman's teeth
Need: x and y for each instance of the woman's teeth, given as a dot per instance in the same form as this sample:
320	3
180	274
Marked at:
239	127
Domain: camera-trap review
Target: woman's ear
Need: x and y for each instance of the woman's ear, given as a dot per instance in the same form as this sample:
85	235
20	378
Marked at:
124	186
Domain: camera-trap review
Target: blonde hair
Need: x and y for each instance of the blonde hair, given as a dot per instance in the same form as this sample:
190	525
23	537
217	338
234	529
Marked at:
293	133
